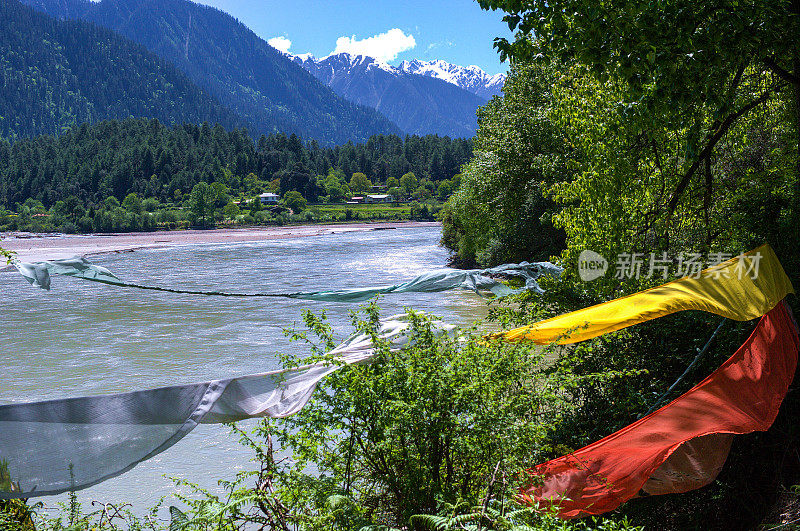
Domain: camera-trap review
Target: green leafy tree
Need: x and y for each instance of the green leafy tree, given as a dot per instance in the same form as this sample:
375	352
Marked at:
252	184
221	197
335	187
201	204
295	201
359	183
501	213
702	67
132	203
444	190
150	204
255	205
231	210
409	183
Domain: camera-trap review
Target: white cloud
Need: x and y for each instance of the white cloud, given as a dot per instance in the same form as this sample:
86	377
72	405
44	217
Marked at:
384	47
281	43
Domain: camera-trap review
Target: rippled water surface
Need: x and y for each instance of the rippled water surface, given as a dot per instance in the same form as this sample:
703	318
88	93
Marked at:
83	338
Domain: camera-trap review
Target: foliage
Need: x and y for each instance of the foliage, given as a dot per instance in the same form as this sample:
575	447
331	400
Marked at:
677	60
408	182
359	183
335	187
500	213
165	162
616	202
299	179
8	255
15	515
201	204
504	514
101	517
79	179
619	178
132	203
231	210
671	54
295	201
656	92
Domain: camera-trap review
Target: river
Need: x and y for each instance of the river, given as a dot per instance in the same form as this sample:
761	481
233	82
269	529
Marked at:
82	338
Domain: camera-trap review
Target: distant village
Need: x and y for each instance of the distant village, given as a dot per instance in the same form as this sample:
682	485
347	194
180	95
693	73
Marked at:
269	198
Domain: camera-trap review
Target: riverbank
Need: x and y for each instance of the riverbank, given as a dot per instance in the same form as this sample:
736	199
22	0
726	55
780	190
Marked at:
36	247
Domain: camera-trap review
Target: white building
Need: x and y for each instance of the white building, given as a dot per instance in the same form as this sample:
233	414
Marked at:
379	198
269	198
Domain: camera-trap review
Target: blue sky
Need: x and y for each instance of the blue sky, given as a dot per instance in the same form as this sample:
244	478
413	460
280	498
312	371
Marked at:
458	31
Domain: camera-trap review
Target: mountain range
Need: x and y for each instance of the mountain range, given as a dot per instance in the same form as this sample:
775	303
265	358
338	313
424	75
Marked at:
470	78
246	82
227	60
419	104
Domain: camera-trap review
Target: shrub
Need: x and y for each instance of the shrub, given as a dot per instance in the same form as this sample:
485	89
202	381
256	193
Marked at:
445	421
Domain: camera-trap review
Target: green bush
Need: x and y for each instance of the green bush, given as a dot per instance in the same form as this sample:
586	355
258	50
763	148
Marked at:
447	421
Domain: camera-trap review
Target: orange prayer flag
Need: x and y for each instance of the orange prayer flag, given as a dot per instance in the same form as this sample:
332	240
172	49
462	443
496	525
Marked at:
683	445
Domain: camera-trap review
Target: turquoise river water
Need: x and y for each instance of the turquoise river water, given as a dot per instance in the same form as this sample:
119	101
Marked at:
83	338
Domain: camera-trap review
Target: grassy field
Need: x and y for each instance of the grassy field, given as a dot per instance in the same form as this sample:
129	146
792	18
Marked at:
382	208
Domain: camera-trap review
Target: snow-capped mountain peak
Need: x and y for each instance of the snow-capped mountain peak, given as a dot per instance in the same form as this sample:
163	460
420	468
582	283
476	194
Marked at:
339	63
301	56
470	78
418	104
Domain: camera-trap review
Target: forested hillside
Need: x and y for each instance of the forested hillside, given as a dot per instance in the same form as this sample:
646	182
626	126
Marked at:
116	158
57	74
224	57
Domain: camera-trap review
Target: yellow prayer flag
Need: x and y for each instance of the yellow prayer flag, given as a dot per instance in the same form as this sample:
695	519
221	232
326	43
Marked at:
742	288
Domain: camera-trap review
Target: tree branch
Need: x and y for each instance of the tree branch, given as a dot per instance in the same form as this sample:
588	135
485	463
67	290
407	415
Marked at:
781	72
712	142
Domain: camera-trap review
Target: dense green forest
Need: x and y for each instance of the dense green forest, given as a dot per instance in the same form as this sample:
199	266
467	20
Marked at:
55	75
82	178
226	59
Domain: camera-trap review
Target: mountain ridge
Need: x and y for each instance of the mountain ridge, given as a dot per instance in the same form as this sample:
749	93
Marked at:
418	104
58	74
471	78
225	58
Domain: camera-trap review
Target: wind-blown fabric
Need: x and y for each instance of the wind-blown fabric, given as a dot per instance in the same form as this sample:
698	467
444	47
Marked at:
59	445
743	288
683	445
39	273
477	280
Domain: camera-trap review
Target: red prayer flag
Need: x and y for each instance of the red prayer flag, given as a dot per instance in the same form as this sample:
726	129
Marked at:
683	445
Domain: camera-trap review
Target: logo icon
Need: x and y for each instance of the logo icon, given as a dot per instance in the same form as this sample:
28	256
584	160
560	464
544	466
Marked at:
591	265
